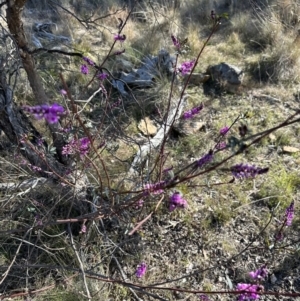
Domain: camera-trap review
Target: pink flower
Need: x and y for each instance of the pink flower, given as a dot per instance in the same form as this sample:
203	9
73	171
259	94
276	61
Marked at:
141	270
51	113
102	76
84	69
289	214
186	67
119	37
191	113
156	188
89	61
175	41
249	291
261	273
224	130
221	145
176	201
80	146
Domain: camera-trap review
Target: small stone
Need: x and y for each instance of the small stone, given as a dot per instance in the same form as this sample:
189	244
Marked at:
273	279
290	149
226	77
147	127
272	137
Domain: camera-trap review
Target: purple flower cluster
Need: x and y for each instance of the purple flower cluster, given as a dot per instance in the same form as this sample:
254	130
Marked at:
84	69
191	113
89	61
243	171
221	145
141	270
102	76
119	37
51	113
63	92
83	229
204	298
80	146
175	41
186	67
139	204
289	214
204	160
116	104
259	274
176	201
250	291
156	188
224	130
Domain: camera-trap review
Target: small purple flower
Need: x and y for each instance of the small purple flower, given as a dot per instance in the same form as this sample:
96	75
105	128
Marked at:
259	274
176	42
204	160
224	130
83	229
84	69
249	291
156	188
139	204
176	201
279	236
116	104
51	113
221	145
186	67
89	61
191	113
80	146
289	214
63	92
102	76
243	171
119	37
141	270
204	298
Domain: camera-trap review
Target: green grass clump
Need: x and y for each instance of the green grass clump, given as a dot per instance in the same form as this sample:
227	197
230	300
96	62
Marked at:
281	185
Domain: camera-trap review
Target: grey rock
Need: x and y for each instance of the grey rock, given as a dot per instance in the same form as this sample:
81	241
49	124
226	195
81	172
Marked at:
228	77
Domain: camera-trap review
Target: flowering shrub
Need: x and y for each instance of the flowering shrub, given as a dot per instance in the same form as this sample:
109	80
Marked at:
104	210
